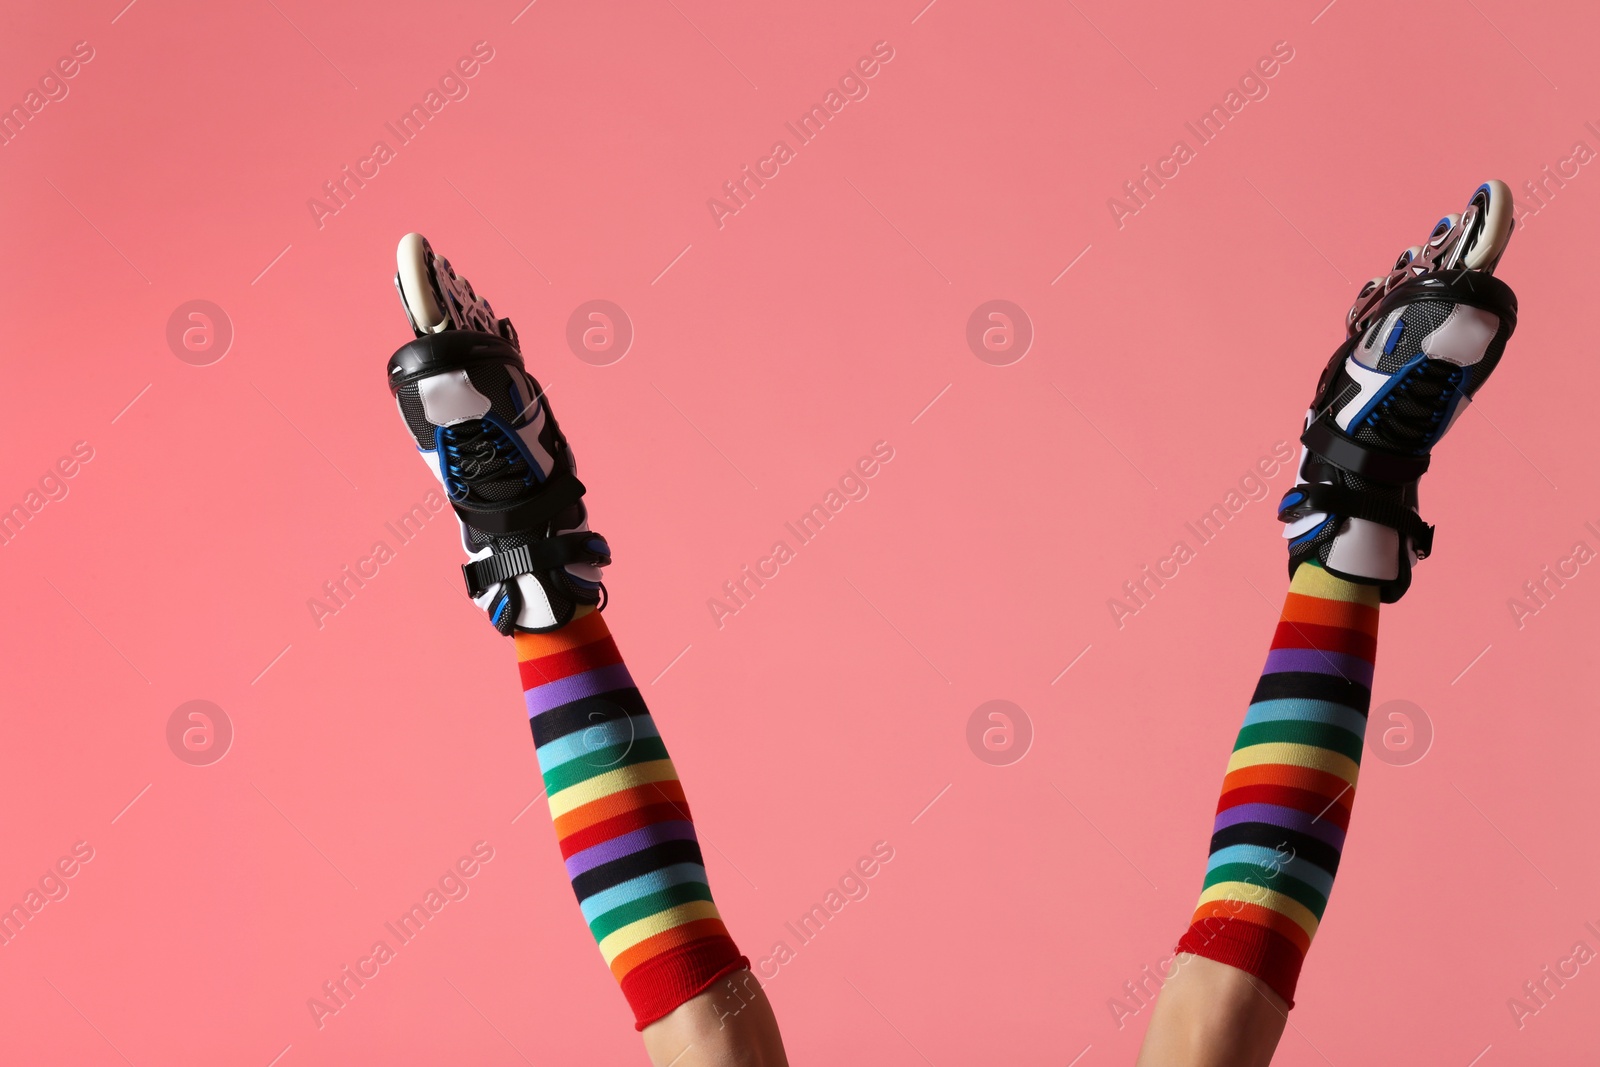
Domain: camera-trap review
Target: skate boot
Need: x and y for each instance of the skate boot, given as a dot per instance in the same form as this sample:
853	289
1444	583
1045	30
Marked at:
1421	342
485	429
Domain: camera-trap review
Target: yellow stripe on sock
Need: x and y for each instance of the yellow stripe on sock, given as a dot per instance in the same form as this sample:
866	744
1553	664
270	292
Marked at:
1312	580
603	785
1266	898
622	939
1292	755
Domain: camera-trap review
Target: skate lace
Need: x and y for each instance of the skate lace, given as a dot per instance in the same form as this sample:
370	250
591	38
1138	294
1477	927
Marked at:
480	459
1412	416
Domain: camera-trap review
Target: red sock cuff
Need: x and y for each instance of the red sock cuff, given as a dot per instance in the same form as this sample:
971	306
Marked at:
661	984
1253	949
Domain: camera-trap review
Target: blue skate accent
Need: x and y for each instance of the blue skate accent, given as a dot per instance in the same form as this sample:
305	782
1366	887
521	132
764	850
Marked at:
502	436
521	446
441	454
1384	390
444	466
1393	340
1456	400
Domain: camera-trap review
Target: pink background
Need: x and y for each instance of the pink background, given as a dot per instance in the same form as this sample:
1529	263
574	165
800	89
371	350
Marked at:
769	355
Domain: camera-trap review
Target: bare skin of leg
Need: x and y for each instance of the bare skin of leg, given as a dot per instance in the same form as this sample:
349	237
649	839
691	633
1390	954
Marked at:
729	1025
1213	1015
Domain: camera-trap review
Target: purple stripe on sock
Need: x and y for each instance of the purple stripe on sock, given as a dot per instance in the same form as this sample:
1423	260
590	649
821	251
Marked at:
1310	660
1284	818
542	698
629	843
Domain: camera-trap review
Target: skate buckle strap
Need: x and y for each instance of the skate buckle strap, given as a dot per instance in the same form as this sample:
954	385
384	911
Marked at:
1345	503
1348	454
560	491
580	546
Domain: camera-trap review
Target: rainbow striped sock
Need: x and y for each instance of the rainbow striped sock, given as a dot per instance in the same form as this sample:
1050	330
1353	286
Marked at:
622	819
1287	796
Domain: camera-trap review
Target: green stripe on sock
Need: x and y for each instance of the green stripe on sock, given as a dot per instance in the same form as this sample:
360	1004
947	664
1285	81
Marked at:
644	907
1292	732
1279	882
603	761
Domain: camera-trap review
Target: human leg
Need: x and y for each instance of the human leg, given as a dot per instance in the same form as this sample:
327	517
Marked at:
487	432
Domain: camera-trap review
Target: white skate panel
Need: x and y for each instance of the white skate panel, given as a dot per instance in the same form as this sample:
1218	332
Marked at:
1369	381
535	611
1463	337
450	397
1366	549
1303	525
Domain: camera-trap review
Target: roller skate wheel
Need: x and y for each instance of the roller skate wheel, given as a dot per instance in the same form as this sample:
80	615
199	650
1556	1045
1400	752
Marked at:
416	286
1444	229
1493	226
1408	257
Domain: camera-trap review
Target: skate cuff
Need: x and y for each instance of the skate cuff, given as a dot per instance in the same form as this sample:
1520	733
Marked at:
580	546
1350	455
1346	503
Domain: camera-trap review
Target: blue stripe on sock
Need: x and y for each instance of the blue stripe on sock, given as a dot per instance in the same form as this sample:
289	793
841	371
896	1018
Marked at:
1261	856
642	886
602	735
1304	710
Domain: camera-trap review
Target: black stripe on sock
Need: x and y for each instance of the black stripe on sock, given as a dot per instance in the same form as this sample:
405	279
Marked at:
1308	685
1302	846
642	862
585	712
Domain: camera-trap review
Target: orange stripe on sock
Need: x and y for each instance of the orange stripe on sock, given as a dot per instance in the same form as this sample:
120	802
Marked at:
1233	911
542	670
581	631
621	802
1297	607
665	940
1307	778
